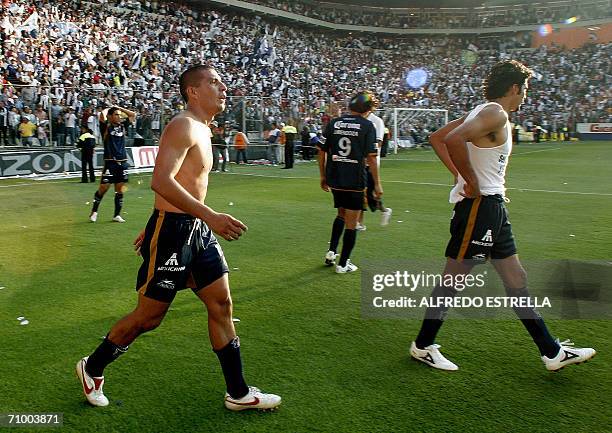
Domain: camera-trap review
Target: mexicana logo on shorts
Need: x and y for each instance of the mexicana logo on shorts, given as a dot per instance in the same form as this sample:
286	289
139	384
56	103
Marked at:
173	262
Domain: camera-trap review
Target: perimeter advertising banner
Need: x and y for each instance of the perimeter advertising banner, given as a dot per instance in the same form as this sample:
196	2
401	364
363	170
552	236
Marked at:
594	131
28	162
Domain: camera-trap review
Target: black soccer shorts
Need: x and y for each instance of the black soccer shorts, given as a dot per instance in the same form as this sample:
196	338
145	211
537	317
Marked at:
115	172
175	247
351	200
480	230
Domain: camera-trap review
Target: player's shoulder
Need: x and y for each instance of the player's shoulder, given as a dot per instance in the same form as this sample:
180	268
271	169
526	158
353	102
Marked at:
182	128
493	110
374	118
187	122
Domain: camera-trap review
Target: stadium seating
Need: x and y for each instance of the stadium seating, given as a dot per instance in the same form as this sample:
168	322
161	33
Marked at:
131	54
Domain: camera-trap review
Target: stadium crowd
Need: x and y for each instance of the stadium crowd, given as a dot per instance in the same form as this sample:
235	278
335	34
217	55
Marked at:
75	58
499	16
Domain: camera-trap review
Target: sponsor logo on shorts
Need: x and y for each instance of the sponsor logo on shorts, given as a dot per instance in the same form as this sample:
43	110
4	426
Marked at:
171	268
488	237
483	244
166	284
172	261
171	265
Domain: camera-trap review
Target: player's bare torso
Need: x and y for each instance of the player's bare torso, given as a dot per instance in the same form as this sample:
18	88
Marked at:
193	172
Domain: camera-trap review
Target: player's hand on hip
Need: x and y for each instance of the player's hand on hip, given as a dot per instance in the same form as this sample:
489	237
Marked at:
138	242
324	185
226	226
470	191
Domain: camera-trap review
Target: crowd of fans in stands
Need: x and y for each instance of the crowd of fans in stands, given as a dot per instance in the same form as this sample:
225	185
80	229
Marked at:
520	14
75	58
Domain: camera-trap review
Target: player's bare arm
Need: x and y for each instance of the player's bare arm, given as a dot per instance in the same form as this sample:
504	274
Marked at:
437	142
176	142
378	190
322	162
484	130
131	115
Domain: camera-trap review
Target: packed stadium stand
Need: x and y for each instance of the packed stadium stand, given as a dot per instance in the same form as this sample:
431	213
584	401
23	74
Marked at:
68	59
443	18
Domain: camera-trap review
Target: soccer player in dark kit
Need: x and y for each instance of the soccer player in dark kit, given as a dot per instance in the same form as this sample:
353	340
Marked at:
476	149
114	130
348	141
180	250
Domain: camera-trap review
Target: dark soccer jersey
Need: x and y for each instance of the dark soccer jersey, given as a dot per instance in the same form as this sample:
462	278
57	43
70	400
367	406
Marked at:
348	141
114	140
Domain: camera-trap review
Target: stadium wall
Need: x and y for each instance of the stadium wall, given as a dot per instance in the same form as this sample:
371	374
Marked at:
575	37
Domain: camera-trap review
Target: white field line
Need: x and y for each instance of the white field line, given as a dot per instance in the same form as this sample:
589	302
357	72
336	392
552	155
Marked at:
536	151
406	182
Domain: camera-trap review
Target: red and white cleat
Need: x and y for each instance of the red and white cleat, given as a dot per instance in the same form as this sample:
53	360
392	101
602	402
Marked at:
255	399
92	386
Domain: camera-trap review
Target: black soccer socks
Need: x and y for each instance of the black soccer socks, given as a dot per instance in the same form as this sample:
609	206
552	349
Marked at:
348	242
106	353
337	229
533	322
434	316
231	364
118	203
96	201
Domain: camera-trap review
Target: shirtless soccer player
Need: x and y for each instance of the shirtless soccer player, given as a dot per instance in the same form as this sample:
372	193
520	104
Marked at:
476	149
180	250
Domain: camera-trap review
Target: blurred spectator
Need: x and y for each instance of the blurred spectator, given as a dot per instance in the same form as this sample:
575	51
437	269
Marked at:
305	135
26	131
4	124
87	144
71	126
240	144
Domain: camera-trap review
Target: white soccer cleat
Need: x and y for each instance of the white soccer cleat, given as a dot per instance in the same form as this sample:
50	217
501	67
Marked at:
118	219
255	399
432	357
330	258
93	217
386	216
567	356
92	386
349	267
360	227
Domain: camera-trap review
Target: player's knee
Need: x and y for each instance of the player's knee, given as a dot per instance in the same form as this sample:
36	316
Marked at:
220	307
516	283
146	324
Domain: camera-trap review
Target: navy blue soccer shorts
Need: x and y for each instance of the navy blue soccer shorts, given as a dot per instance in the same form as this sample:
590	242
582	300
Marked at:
480	230
177	246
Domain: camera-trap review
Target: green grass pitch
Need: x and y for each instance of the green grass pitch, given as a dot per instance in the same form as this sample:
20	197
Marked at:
301	327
